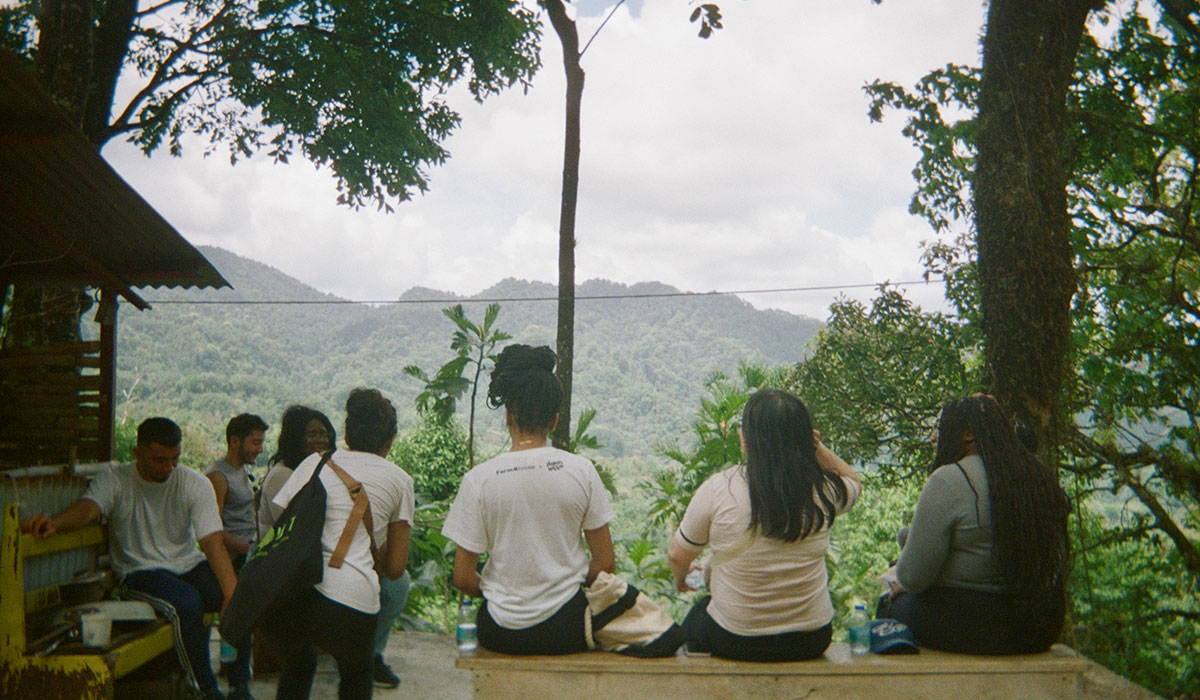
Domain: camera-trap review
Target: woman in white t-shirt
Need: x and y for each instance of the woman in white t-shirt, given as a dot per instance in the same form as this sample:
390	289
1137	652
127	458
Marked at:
768	523
338	615
531	510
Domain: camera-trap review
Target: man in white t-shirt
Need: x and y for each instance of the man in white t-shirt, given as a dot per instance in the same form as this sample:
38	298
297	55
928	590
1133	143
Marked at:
157	515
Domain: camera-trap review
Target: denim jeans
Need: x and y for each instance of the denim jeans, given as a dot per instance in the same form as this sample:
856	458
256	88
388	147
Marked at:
393	596
191	594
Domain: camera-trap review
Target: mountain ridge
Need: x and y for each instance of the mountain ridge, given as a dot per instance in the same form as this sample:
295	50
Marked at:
641	362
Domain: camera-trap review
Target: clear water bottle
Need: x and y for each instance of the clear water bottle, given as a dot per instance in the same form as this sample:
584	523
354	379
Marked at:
860	630
466	634
695	579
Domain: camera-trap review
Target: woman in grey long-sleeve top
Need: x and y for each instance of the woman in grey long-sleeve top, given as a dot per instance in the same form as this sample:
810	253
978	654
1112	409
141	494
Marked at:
983	568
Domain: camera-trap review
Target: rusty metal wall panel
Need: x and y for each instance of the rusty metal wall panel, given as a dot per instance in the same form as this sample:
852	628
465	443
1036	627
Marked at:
49	495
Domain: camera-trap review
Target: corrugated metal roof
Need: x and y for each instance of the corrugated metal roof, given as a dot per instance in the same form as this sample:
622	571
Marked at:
65	214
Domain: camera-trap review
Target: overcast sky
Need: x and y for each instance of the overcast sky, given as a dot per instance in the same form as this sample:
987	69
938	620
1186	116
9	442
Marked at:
745	161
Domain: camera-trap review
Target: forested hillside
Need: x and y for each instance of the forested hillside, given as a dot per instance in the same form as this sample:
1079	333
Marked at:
641	362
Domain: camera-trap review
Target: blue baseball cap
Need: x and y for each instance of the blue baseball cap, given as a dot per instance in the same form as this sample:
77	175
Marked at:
892	637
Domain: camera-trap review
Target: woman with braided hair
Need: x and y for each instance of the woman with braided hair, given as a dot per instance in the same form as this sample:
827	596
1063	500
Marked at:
983	570
531	510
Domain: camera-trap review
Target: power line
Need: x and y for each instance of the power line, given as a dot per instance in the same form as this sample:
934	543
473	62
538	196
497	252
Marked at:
488	300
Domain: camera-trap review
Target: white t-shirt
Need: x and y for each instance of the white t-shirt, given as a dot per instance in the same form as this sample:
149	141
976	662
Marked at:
390	493
155	525
268	512
527	510
770	586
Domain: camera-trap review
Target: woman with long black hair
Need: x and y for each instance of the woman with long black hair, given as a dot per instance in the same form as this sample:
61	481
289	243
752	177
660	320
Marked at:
983	569
767	522
531	510
302	432
339	615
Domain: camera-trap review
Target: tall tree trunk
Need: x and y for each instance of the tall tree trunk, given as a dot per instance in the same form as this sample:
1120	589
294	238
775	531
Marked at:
42	314
64	56
569	37
1026	271
78	63
113	32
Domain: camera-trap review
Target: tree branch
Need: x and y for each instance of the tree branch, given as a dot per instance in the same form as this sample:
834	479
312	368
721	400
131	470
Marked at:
1123	465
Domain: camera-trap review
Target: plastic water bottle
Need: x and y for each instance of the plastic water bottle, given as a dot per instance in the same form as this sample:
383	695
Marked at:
466	634
695	579
228	653
860	630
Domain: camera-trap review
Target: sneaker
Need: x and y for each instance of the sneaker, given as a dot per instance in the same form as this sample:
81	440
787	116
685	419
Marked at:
383	675
239	691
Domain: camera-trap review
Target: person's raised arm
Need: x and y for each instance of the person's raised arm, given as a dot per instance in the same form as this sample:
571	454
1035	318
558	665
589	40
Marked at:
599	542
83	511
395	557
466	577
830	462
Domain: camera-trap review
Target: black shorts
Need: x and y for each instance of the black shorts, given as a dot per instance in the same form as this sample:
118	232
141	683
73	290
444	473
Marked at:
561	633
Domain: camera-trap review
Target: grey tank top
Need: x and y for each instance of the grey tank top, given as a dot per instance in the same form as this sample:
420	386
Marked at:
238	516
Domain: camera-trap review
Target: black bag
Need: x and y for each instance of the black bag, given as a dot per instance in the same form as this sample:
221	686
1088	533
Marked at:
287	561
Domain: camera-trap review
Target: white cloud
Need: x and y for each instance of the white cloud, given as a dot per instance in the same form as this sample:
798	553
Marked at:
744	161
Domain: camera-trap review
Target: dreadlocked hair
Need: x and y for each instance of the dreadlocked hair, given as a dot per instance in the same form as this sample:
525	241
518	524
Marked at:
1029	507
791	496
523	381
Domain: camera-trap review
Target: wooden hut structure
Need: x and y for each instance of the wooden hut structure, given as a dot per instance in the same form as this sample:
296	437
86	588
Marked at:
66	217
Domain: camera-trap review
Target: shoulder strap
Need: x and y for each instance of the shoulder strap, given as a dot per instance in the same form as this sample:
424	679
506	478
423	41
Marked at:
361	512
978	520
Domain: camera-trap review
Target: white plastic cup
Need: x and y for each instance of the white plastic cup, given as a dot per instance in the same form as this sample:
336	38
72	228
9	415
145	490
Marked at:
95	629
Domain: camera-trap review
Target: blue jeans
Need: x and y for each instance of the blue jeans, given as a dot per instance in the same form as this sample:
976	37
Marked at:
393	596
191	594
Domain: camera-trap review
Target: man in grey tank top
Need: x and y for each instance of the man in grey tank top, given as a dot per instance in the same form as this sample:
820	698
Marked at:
230	478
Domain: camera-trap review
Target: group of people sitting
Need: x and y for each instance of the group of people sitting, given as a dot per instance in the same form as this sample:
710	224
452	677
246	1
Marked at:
981	570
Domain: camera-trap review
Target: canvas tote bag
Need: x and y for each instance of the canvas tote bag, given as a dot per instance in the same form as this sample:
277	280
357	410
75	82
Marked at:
285	562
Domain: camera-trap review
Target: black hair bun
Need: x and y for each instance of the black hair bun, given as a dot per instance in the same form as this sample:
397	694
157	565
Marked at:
523	358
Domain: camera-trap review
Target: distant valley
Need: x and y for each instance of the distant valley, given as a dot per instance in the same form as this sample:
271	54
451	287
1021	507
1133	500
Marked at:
640	362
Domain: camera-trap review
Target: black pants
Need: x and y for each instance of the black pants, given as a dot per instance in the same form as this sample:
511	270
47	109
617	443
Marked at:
704	634
976	622
314	621
561	633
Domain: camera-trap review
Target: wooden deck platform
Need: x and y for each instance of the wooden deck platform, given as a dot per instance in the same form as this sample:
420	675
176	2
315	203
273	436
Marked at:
1059	674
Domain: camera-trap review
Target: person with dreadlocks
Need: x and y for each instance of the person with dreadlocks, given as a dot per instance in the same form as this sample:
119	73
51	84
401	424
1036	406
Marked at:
531	509
983	569
767	522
